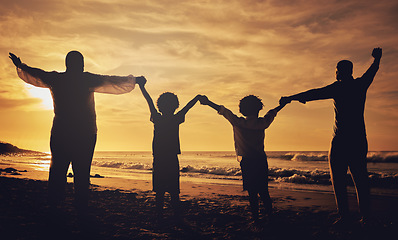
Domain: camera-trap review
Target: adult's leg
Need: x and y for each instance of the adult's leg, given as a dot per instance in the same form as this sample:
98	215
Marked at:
338	171
58	169
175	203
265	197
81	164
253	200
159	202
360	178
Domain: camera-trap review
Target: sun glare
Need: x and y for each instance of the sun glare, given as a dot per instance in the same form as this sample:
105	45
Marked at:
44	94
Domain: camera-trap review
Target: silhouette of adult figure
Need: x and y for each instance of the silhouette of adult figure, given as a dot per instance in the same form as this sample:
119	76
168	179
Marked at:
349	146
74	130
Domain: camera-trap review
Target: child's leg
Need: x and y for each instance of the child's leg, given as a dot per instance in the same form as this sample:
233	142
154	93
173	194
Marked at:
253	199
267	201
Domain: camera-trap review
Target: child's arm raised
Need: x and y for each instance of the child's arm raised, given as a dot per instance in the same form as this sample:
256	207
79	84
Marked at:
230	116
205	101
278	108
271	114
189	105
146	95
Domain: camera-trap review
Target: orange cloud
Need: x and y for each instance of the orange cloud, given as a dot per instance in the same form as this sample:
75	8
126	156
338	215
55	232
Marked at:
225	49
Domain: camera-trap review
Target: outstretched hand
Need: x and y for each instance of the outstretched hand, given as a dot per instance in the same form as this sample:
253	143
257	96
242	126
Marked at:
376	53
141	81
16	60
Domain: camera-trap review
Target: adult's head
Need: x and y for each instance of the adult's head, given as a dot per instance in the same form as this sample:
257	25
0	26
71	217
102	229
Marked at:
250	105
74	62
344	70
168	103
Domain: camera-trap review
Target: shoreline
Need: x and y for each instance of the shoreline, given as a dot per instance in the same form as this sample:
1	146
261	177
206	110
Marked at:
211	211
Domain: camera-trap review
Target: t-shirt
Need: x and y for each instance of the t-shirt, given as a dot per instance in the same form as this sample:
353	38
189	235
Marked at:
249	132
166	139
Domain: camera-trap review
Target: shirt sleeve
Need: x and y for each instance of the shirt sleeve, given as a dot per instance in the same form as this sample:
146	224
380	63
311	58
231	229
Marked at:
180	117
232	118
35	76
269	118
112	84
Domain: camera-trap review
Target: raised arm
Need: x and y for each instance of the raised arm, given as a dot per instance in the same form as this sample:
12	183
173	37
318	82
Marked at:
146	95
369	75
205	101
189	105
228	114
34	76
278	108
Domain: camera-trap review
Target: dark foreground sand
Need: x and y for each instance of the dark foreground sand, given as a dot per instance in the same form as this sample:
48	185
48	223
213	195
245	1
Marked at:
121	214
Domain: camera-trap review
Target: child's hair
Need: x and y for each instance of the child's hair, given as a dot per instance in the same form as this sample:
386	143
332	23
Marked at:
167	102
250	105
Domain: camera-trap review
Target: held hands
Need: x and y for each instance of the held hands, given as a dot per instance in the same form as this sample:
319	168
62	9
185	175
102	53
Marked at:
16	60
204	100
141	81
284	100
376	53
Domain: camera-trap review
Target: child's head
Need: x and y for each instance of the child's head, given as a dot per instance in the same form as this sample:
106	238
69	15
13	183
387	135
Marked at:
167	102
250	105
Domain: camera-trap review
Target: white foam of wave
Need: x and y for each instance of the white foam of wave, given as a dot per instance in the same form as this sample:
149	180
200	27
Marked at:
213	170
122	165
388	157
391	157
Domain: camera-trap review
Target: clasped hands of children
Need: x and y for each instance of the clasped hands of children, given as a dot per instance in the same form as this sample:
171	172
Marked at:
141	81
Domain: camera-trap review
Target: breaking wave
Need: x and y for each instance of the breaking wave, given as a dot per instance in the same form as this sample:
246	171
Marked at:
122	165
387	157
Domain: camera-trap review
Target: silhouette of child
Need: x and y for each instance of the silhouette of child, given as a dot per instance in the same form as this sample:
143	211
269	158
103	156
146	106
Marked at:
249	146
166	147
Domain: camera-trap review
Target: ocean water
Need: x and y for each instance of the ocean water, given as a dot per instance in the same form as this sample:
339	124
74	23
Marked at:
301	170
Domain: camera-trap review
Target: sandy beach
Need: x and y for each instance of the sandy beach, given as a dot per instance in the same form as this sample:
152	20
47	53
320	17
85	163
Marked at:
211	211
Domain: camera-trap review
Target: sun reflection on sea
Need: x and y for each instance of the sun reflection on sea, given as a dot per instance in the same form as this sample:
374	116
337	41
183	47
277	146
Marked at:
42	163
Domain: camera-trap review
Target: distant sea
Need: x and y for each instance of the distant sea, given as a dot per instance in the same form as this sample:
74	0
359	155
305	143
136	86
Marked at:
296	170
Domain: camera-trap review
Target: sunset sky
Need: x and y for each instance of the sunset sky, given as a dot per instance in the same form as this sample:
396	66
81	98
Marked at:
223	49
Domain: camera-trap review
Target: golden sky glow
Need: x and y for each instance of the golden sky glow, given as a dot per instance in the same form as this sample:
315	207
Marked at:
224	49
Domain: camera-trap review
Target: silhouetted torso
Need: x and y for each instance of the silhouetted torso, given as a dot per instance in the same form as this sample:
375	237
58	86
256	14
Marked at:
74	106
166	134
349	105
73	95
249	132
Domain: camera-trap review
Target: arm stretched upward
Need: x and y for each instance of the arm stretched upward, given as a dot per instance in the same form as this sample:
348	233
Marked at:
369	75
189	105
205	101
147	97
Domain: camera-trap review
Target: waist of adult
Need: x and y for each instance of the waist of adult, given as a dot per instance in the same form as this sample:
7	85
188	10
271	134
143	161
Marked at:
74	124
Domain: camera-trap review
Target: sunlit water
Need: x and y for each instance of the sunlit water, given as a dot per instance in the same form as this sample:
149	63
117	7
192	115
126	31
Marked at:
293	170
